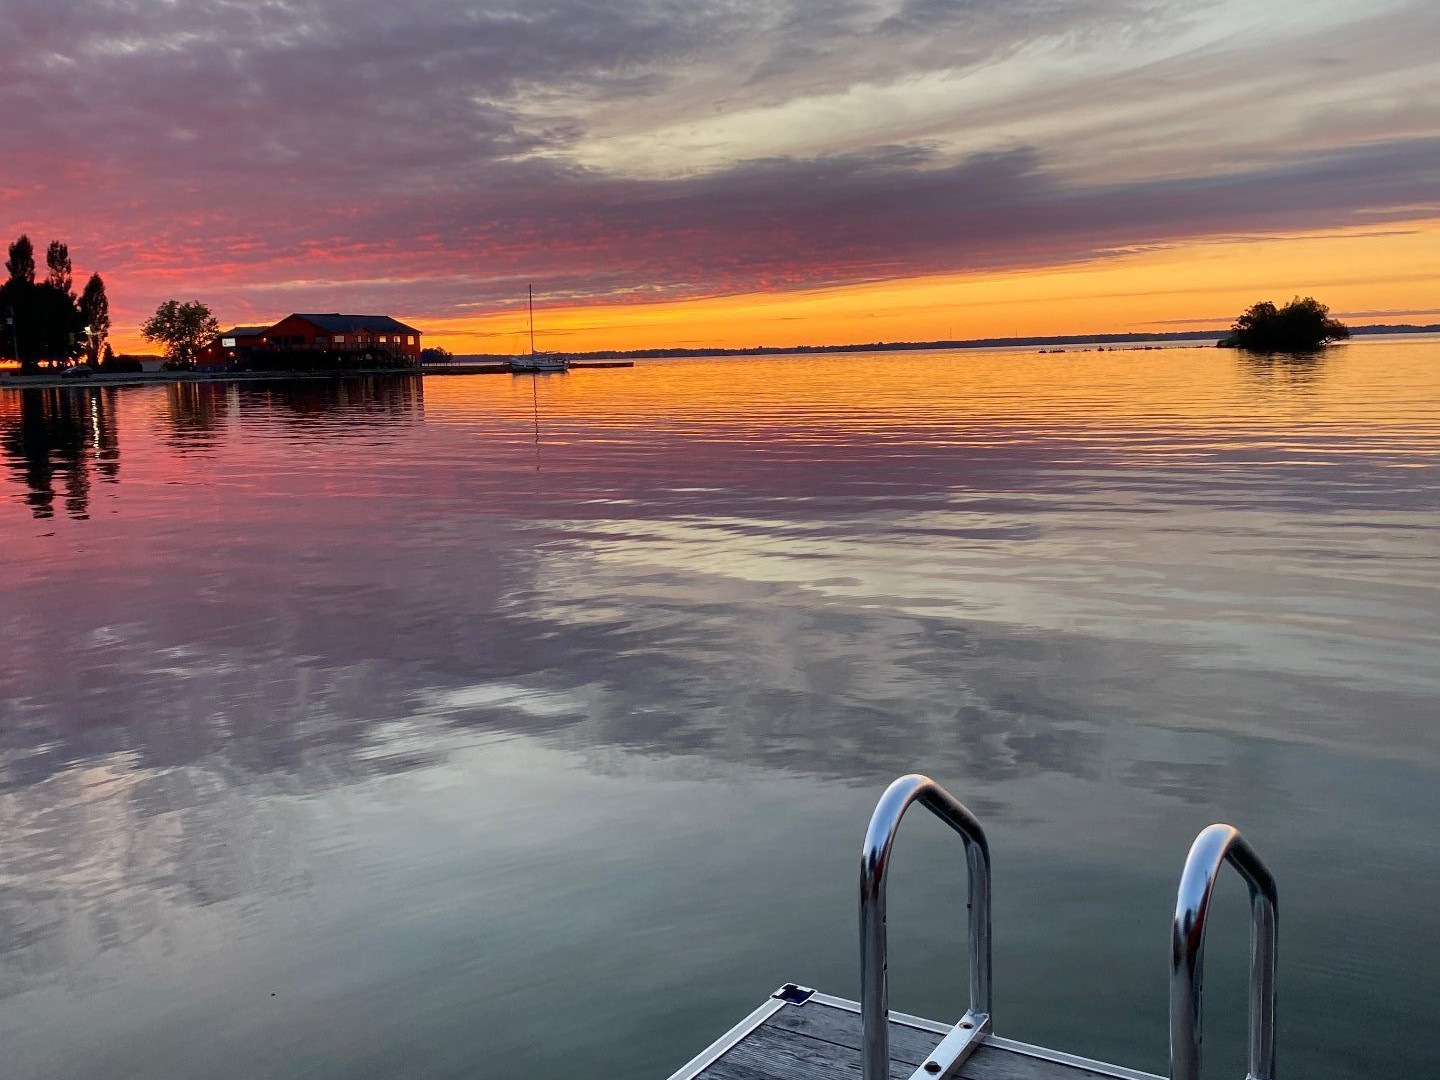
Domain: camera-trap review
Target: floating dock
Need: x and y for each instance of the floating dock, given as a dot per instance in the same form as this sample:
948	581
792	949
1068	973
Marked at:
803	1035
799	1034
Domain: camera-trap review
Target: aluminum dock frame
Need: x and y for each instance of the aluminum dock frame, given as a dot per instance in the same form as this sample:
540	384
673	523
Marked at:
799	1034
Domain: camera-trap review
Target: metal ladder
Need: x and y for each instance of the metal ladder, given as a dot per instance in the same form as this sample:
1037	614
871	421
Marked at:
1215	846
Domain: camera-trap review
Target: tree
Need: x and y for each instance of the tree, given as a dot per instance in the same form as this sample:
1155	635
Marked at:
62	273
21	263
184	329
1300	326
42	318
95	317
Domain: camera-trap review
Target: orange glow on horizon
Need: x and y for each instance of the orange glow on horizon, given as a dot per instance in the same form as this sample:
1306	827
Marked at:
1391	269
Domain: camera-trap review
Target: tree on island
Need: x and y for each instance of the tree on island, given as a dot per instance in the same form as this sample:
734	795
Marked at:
184	329
1300	326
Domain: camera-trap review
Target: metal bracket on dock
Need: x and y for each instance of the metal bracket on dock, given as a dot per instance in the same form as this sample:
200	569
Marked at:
962	1040
793	994
947	1057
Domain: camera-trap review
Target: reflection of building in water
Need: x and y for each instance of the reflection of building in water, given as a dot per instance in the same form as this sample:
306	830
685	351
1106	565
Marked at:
340	404
57	437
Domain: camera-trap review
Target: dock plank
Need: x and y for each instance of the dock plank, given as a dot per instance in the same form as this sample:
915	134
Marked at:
995	1063
775	1054
821	1041
841	1027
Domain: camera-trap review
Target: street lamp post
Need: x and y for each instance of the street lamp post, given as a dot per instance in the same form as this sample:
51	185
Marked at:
14	336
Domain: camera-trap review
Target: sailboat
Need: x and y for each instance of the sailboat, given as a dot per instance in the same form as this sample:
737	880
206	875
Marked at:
537	363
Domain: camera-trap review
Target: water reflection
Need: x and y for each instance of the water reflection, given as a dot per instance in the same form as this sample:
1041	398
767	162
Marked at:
198	413
308	699
340	405
56	442
60	434
1291	371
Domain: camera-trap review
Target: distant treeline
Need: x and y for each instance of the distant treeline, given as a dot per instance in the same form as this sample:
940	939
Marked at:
970	343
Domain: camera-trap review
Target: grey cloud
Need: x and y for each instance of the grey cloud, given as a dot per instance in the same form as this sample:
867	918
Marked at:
888	212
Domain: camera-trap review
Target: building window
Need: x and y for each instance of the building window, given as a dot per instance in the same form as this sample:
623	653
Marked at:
227	343
321	339
339	339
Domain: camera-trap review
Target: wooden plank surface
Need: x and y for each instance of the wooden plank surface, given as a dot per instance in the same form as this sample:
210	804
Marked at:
819	1041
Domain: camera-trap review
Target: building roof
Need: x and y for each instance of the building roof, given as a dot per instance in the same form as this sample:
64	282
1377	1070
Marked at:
246	331
336	323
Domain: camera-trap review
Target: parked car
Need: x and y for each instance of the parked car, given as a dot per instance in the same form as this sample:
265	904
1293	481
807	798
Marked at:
79	371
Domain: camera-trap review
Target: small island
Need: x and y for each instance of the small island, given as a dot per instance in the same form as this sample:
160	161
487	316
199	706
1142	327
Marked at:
1303	325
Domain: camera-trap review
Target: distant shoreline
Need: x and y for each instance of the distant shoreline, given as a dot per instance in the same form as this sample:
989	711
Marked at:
1375	329
483	363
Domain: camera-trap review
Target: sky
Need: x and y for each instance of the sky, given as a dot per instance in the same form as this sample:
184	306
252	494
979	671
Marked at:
731	172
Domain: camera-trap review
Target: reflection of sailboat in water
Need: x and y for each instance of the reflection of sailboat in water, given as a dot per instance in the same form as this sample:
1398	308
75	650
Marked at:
537	363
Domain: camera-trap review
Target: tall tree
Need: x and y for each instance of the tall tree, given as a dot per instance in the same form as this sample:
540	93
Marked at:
42	317
21	263
184	329
62	273
17	305
95	316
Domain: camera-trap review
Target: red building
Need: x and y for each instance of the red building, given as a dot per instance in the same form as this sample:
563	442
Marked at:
333	340
243	337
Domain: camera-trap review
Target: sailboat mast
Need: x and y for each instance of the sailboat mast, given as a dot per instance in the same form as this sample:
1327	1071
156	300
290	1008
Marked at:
531	290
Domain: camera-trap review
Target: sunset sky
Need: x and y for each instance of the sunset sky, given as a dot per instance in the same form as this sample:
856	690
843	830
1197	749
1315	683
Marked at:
737	172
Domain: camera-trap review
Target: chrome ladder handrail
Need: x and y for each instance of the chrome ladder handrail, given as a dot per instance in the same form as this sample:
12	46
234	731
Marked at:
1214	847
945	1059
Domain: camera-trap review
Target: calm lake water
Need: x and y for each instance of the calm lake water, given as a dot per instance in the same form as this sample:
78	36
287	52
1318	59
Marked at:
500	727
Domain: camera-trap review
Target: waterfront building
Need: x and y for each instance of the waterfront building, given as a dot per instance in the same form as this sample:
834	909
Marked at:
318	340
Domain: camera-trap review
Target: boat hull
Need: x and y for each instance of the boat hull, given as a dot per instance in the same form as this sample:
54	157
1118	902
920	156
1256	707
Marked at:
538	365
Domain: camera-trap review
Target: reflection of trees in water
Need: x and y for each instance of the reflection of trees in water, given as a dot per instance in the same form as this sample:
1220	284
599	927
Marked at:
57	436
57	440
1284	371
339	404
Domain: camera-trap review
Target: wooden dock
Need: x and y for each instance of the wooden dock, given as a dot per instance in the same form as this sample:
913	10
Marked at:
801	1035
